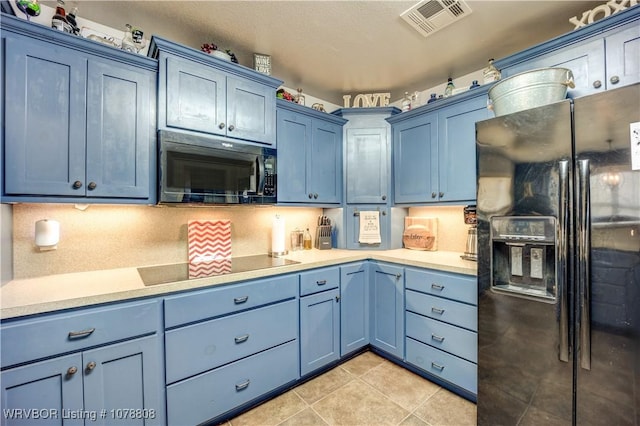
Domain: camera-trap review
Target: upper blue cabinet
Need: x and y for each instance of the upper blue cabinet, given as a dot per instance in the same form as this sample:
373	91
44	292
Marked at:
603	55
79	119
434	150
309	155
204	94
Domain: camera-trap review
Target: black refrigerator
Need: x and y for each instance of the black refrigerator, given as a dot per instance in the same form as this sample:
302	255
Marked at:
558	212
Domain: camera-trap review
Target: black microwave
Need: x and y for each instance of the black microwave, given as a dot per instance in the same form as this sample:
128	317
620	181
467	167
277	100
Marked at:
200	170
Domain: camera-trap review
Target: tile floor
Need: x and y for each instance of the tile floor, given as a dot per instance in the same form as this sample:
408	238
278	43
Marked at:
366	390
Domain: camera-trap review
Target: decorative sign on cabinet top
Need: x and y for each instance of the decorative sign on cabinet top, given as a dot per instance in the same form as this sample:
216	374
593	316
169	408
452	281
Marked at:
602	11
366	100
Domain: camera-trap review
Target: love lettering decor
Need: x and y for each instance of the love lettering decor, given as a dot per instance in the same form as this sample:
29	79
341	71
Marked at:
602	11
367	100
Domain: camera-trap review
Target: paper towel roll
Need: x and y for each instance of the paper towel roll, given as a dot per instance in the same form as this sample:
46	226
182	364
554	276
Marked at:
277	236
47	234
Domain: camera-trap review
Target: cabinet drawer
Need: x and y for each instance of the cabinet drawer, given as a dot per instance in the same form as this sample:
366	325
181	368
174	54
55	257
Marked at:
455	340
200	347
462	288
209	395
319	280
441	364
31	339
455	313
210	303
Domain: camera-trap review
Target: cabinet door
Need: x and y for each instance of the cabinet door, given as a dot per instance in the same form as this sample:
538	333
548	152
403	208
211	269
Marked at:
324	165
294	142
319	330
251	111
37	394
367	166
387	309
354	307
457	149
119	130
123	378
196	97
44	119
585	60
415	159
623	57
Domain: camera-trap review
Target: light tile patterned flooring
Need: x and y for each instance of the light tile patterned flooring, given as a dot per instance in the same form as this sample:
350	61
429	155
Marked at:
366	390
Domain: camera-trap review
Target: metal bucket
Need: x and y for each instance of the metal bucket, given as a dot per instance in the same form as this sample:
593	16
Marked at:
530	89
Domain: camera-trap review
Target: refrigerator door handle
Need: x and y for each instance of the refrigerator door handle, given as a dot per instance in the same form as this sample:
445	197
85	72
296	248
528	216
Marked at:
584	259
562	275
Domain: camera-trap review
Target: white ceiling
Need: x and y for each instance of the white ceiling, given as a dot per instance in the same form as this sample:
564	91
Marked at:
332	48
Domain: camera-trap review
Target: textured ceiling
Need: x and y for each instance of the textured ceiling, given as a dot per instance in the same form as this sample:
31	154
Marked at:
331	48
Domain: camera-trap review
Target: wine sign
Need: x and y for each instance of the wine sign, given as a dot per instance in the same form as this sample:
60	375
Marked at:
367	100
262	63
602	11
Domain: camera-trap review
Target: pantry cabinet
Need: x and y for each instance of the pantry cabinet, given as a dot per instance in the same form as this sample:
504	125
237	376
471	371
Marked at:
211	96
309	155
434	150
79	119
119	379
601	56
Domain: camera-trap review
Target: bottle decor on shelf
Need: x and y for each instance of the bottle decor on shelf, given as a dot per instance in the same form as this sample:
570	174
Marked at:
299	98
71	19
59	20
307	240
406	102
491	73
448	91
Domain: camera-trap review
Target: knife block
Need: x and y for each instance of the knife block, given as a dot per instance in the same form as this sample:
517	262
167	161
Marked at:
323	237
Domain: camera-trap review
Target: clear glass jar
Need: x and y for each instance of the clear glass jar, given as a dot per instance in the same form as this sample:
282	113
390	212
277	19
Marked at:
299	97
406	102
491	73
448	91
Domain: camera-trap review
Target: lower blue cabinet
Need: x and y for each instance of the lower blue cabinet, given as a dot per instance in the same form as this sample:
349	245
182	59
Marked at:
319	330
354	307
387	309
211	394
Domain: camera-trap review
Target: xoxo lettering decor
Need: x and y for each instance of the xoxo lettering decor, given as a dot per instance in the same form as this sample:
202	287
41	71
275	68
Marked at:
367	100
606	9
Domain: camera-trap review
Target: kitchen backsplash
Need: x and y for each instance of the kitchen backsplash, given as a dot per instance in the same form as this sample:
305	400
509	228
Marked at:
107	236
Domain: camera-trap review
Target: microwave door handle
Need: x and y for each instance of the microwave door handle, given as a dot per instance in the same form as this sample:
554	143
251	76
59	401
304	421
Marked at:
258	177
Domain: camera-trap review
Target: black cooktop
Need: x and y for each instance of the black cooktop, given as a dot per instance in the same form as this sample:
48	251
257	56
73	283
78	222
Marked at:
163	274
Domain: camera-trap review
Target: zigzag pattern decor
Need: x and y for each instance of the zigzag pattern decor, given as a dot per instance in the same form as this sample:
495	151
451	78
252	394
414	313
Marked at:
209	247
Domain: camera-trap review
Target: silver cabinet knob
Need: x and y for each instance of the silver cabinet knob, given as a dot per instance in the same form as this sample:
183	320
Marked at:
72	370
231	128
91	366
91	186
615	79
310	195
433	195
77	184
221	126
441	194
384	198
315	196
597	84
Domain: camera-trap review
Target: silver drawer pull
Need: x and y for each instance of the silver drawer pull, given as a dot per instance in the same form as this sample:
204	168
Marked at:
437	286
437	338
242	339
243	385
321	282
437	366
239	300
437	310
81	334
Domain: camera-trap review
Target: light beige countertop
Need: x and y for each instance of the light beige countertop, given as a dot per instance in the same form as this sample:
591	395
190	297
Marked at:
64	291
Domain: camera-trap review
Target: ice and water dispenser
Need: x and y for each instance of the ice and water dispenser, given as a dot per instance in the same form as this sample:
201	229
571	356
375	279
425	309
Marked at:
523	258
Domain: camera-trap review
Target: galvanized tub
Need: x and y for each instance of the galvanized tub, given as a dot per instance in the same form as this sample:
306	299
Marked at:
530	89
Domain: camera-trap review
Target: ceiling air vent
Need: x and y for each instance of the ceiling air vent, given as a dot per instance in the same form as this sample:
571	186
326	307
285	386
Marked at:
429	16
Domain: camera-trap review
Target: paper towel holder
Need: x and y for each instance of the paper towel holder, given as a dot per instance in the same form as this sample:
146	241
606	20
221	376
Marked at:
47	234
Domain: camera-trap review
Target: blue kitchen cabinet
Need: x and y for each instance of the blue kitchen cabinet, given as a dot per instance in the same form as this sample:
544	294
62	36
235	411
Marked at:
207	95
354	307
77	124
387	308
40	378
319	318
367	154
601	56
434	150
441	327
309	155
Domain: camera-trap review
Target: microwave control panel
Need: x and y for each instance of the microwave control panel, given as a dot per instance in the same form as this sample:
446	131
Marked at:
269	183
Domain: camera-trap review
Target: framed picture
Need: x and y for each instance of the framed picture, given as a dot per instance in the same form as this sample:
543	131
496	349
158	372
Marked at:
262	63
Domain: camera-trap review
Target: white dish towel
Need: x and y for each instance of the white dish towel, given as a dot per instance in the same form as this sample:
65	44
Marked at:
370	227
